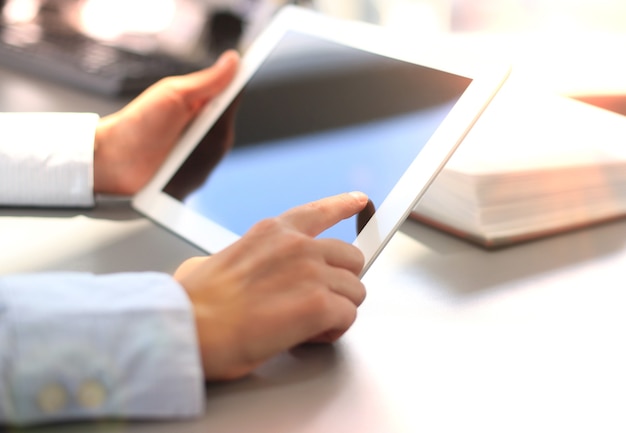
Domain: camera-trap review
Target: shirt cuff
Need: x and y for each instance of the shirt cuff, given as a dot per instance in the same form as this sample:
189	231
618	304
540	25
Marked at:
46	159
79	346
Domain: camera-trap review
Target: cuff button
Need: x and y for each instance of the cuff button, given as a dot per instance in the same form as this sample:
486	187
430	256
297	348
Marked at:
91	394
52	398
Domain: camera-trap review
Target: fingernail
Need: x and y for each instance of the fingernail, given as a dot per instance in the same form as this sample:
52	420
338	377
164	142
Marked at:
360	196
225	58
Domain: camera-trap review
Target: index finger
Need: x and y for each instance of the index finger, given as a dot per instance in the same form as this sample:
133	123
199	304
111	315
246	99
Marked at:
315	217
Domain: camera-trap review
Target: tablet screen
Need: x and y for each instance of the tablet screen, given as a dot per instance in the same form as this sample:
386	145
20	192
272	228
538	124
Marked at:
316	119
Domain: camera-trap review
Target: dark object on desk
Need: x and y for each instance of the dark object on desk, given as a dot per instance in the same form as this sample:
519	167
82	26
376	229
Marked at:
75	59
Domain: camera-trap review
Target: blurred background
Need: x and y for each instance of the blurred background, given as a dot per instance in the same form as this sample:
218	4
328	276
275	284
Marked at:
571	46
485	15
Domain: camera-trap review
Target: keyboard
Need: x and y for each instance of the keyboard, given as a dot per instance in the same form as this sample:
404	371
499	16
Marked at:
79	61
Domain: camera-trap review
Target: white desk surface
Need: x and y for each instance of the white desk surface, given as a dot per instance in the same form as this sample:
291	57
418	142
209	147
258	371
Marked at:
451	337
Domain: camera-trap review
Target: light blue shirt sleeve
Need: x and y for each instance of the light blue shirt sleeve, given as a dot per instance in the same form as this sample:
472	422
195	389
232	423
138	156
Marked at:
81	346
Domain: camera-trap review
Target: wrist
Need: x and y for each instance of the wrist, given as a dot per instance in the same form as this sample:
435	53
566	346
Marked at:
110	169
101	181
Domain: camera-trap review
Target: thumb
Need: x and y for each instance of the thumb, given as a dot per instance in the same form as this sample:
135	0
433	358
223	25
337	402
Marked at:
188	267
205	84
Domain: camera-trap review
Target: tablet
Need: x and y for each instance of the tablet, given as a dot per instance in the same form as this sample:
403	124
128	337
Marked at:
319	106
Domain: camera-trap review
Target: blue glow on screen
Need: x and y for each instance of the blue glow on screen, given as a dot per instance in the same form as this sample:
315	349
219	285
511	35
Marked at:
264	180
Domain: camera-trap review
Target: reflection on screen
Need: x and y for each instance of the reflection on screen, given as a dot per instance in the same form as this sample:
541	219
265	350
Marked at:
316	119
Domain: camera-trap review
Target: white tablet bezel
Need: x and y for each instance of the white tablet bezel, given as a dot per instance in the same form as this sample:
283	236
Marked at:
212	237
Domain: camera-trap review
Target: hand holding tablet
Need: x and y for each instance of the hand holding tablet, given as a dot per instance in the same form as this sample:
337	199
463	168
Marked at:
132	143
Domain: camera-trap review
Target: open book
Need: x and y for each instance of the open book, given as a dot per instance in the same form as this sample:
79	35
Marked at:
534	164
